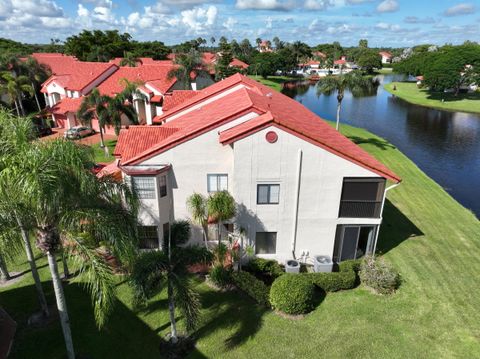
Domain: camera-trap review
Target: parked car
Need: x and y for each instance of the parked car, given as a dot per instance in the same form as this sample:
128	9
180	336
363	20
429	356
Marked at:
78	132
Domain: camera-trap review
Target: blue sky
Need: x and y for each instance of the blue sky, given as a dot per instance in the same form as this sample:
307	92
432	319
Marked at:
383	22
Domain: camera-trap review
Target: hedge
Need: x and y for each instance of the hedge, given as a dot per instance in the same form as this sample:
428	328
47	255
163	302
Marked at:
293	294
346	278
265	267
252	286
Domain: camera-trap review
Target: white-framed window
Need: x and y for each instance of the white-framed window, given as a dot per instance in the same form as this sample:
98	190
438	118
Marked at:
268	193
266	243
217	182
145	186
163	186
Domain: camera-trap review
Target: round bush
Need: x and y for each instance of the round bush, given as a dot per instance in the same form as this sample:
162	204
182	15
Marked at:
220	276
292	294
378	275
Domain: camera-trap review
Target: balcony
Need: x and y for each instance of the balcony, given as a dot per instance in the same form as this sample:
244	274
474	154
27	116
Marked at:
360	209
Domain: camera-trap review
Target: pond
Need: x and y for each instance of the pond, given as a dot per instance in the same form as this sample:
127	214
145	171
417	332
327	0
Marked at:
445	145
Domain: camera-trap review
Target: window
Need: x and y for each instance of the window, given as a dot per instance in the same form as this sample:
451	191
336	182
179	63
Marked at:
217	182
145	187
353	242
266	243
362	197
148	237
163	186
268	193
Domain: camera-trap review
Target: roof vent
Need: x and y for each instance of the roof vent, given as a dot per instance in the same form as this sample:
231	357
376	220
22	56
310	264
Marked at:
269	95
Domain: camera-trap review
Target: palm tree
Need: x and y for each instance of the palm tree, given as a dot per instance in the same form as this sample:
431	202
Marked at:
15	137
4	274
116	107
353	81
221	207
93	106
68	201
15	87
153	271
187	64
129	60
36	73
197	205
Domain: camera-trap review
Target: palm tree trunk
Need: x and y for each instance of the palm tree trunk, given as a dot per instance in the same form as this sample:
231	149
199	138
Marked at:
16	108
61	304
205	236
218	232
339	105
4	275
171	310
36	97
66	272
33	268
21	106
102	144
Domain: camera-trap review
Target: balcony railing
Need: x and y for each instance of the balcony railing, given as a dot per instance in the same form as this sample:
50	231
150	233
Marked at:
360	209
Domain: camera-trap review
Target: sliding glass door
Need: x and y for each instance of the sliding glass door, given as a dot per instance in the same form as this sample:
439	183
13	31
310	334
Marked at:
353	242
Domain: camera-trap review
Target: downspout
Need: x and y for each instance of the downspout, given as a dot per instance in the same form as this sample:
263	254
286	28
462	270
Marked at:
297	198
381	213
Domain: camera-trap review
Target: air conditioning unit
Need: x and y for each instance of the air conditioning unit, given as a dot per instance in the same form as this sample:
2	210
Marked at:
292	266
322	263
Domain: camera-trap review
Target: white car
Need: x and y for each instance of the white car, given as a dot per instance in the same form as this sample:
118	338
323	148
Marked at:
78	132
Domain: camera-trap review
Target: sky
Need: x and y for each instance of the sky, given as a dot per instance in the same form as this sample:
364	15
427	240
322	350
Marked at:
384	23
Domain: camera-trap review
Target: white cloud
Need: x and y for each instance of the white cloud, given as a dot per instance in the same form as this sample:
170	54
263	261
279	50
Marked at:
230	23
418	20
265	4
104	3
160	8
199	19
103	14
460	9
317	4
44	8
133	18
82	10
387	6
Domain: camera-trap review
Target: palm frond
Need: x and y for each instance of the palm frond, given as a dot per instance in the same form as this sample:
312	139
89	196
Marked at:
186	299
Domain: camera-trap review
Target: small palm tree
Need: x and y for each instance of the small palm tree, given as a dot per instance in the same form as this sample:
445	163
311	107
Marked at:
221	207
15	87
129	60
197	205
68	201
93	106
353	81
116	108
187	64
37	73
153	271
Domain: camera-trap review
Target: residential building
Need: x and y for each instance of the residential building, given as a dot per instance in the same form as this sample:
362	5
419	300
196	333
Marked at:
301	187
386	57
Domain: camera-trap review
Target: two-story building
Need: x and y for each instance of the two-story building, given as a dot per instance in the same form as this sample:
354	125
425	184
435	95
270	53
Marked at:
300	186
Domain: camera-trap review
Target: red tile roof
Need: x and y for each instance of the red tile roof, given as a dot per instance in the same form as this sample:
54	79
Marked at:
66	105
155	75
57	63
340	62
137	139
273	107
385	54
80	74
176	98
239	63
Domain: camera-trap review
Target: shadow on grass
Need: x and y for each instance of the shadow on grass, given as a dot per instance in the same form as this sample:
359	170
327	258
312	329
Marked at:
125	335
395	228
377	142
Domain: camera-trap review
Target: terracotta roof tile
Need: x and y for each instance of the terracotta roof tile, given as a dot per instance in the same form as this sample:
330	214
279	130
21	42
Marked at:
66	105
176	98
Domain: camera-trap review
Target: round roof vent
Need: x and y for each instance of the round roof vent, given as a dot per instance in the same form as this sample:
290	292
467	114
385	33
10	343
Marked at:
271	136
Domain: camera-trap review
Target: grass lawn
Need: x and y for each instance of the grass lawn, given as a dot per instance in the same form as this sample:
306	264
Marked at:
99	152
431	239
408	91
274	82
384	71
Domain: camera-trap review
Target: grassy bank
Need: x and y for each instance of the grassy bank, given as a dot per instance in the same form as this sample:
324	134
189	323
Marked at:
100	155
274	82
409	92
430	239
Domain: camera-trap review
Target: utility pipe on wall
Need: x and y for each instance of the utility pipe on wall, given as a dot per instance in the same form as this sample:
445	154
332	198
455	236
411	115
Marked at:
297	198
381	213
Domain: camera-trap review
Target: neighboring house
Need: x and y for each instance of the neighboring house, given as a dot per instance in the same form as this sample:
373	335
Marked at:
70	86
319	55
265	46
343	63
210	59
386	57
301	187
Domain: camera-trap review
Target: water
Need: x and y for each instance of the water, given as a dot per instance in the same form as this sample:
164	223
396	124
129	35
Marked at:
444	144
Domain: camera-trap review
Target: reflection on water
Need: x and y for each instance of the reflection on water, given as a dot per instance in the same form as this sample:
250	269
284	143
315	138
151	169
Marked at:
446	145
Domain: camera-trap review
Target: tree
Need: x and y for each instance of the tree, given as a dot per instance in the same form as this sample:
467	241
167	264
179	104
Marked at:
37	73
221	207
363	43
258	41
197	205
369	60
15	87
222	67
129	60
266	63
353	81
156	270
154	49
212	41
93	106
116	107
68	201
188	64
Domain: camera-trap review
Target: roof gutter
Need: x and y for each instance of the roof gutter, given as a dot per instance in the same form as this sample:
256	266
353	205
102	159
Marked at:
381	211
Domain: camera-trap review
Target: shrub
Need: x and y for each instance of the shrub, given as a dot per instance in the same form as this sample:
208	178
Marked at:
334	281
220	276
252	286
292	294
267	270
350	265
378	275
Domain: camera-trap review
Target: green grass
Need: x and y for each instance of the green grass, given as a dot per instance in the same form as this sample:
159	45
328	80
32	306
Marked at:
426	235
409	91
99	152
275	82
384	71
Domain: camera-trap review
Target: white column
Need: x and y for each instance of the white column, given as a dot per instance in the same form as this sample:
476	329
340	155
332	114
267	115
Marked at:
148	112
